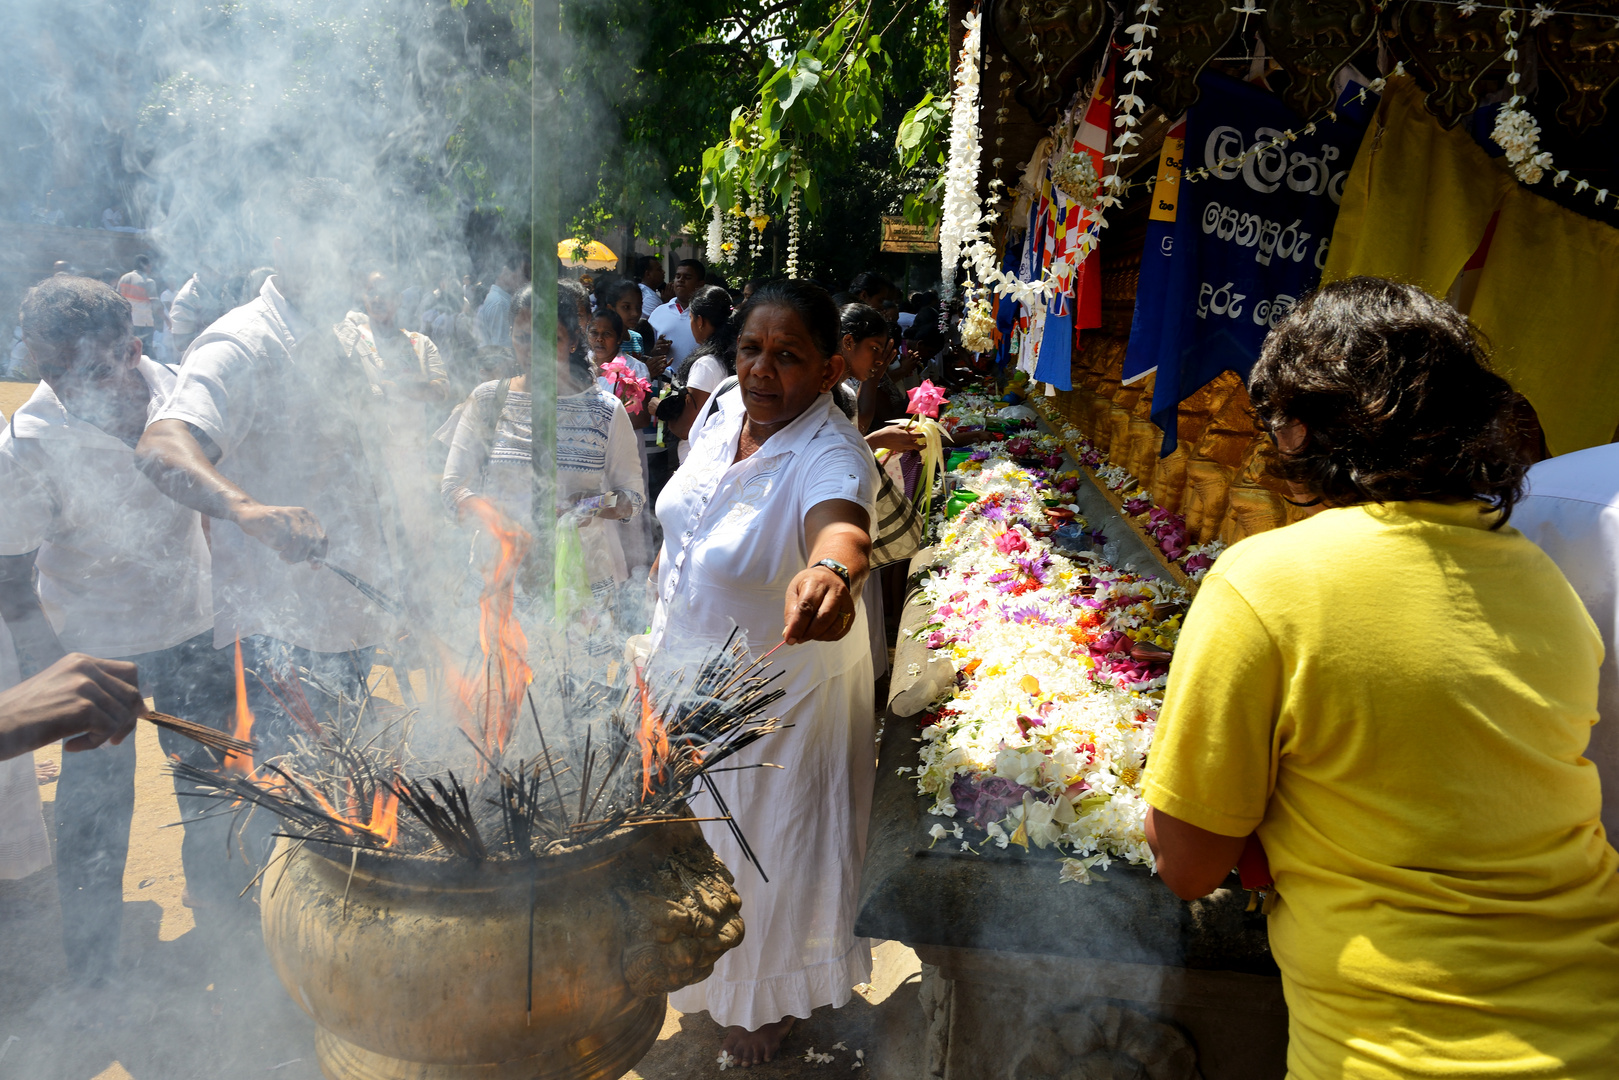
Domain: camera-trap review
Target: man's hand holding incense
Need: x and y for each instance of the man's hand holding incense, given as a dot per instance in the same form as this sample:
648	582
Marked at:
291	531
78	698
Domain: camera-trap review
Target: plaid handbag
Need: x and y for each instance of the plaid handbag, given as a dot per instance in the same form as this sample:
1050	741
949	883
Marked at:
897	533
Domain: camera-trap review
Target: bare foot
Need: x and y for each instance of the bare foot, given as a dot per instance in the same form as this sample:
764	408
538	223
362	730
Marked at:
756	1047
46	771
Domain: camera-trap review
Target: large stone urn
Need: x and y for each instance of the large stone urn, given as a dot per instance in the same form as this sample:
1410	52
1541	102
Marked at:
558	969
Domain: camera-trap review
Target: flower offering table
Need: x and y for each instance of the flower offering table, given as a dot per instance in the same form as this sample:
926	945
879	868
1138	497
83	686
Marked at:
1006	843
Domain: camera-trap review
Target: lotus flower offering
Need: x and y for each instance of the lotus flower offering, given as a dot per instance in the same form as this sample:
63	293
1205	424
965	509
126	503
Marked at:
1063	660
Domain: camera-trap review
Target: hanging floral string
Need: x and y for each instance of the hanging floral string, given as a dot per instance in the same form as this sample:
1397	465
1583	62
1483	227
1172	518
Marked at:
792	231
1130	106
964	235
1515	129
716	237
961	210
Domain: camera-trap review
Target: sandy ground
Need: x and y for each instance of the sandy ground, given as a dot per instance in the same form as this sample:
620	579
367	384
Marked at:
184	1009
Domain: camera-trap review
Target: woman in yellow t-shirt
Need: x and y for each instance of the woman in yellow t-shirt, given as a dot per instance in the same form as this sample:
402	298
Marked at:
1394	696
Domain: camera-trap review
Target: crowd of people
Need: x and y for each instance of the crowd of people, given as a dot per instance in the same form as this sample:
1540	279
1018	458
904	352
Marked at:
190	465
1405	742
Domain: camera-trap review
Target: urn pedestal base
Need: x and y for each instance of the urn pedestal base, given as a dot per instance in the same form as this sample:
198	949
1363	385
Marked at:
607	1055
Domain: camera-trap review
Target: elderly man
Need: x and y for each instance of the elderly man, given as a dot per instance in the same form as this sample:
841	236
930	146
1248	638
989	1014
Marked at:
273	433
672	320
122	572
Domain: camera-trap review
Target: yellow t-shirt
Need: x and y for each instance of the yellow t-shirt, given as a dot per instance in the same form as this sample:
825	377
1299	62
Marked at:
1397	699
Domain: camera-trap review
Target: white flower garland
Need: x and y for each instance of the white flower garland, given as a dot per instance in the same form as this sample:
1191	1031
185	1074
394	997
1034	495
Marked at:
1130	107
792	231
961	209
716	236
964	235
1515	129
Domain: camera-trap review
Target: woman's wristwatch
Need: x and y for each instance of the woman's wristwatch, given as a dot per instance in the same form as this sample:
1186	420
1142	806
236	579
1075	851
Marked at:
838	569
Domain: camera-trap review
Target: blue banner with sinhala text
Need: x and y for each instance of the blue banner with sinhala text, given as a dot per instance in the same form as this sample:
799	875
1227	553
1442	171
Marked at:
1248	241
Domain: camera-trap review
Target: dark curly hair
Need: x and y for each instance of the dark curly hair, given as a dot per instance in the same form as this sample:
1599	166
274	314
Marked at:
1395	392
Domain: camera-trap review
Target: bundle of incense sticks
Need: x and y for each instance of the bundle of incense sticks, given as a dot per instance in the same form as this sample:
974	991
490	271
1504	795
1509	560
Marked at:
212	738
674	727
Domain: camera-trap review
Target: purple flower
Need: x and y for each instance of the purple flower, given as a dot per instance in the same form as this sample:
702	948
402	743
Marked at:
1139	504
978	455
1200	561
985	800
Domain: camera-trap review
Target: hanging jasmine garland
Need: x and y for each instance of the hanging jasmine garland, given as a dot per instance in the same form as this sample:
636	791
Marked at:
964	225
961	210
716	236
792	232
1516	130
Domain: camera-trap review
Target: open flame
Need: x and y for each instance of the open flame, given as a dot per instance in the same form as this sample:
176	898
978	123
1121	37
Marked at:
238	764
653	738
385	815
491	700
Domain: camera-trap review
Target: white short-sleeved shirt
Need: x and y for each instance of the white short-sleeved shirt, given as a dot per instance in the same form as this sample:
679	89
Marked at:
123	569
674	322
650	300
1572	512
733	534
706	373
298	426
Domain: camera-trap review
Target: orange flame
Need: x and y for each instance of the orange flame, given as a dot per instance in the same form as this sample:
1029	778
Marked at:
653	738
237	764
385	815
492	700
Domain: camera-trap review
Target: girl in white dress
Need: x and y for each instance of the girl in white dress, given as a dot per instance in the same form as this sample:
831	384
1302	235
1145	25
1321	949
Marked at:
765	528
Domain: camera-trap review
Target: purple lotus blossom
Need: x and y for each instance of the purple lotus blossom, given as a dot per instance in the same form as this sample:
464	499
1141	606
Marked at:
1114	641
938	640
1028	614
978	455
986	800
1138	505
992	511
1201	561
1068	486
1004	575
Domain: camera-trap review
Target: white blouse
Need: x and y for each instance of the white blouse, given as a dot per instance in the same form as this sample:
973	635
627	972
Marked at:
597	452
733	534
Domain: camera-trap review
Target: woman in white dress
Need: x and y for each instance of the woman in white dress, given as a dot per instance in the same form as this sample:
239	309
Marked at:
765	528
491	455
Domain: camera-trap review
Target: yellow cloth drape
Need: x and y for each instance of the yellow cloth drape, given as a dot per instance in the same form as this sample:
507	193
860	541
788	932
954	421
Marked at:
1548	301
1417	200
1415	208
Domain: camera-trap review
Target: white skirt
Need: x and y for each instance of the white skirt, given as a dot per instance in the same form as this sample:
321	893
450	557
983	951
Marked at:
806	823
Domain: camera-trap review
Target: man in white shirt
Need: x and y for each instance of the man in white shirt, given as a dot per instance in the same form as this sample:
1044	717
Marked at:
494	324
141	292
273	434
672	320
195	306
123	572
1572	512
649	273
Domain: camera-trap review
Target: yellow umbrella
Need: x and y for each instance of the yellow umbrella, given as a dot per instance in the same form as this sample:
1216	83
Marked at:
591	254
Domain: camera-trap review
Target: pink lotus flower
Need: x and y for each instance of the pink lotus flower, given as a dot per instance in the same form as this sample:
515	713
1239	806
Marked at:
925	399
1010	542
631	388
